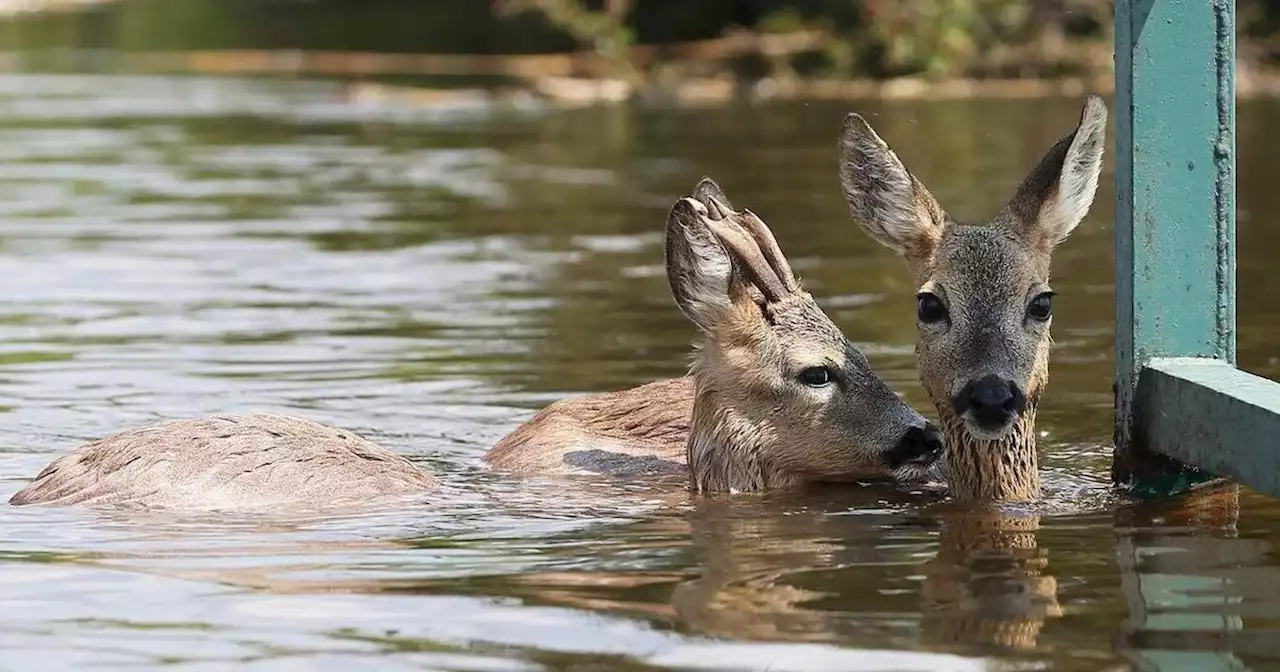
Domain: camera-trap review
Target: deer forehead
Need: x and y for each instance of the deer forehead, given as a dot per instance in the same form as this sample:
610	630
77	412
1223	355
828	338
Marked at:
781	353
802	326
791	337
985	268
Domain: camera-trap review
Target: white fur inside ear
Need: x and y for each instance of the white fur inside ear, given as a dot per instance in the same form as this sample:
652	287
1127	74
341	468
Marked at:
1078	182
699	270
879	189
708	289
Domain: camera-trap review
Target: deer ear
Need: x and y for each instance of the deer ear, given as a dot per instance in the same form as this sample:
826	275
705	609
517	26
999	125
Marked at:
884	198
712	196
1057	193
698	267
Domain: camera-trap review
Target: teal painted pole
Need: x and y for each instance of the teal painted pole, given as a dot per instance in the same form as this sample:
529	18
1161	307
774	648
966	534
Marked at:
1175	205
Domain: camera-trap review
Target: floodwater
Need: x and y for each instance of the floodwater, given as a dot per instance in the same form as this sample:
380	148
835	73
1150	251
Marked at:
429	278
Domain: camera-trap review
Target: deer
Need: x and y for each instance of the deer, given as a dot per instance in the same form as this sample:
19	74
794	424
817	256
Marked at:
983	301
776	397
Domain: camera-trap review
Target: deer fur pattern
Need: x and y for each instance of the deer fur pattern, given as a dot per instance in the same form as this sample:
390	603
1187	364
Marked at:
226	461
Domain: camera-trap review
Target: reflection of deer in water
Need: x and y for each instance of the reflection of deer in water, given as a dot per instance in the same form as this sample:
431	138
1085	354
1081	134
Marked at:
747	555
988	583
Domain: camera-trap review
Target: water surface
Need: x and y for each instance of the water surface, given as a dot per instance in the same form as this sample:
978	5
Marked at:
430	277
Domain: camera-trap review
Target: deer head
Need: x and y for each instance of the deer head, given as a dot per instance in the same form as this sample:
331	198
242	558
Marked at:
983	300
782	398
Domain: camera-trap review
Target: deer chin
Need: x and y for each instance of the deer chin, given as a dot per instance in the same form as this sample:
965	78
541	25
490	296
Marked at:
986	432
920	473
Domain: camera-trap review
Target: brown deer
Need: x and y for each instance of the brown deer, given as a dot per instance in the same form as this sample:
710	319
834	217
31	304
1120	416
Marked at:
983	301
777	396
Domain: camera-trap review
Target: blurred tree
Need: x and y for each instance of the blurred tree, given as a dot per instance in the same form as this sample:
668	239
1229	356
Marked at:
866	38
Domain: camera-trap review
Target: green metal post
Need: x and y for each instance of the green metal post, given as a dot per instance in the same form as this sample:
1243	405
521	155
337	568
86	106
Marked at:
1175	206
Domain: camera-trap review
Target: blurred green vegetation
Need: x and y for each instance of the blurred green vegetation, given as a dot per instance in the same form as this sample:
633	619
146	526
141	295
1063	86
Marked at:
863	38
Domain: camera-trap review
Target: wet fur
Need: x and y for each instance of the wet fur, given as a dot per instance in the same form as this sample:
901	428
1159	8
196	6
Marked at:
640	431
226	461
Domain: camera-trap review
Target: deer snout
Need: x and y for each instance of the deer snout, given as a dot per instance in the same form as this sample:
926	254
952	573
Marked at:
919	445
991	401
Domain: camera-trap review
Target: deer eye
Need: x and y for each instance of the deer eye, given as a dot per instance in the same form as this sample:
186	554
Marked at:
816	376
1041	307
929	308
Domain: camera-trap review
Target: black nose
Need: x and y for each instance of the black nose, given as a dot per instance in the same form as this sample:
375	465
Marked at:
922	445
991	401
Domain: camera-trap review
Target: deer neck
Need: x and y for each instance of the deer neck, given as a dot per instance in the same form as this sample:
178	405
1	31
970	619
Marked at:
725	450
1004	469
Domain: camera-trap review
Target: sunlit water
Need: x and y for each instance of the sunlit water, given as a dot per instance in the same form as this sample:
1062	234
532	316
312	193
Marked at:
430	277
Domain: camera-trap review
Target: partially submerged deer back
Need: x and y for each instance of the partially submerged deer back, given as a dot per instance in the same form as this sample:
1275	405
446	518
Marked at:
984	304
777	396
248	460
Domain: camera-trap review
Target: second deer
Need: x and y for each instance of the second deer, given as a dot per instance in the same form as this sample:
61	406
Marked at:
777	396
983	301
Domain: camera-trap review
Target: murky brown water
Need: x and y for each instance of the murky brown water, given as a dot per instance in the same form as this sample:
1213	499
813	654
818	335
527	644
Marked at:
429	278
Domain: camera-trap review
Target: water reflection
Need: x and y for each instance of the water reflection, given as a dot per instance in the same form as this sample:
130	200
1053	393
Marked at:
1190	580
817	574
989	583
752	558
